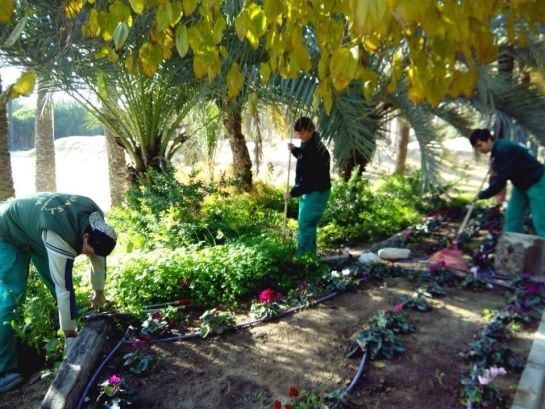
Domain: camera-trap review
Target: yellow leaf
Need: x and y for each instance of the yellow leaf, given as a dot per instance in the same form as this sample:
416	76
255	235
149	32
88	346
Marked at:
416	89
379	364
103	52
24	84
167	43
485	48
91	27
343	67
137	6
189	6
462	83
213	63
323	66
265	72
163	16
241	24
150	57
129	64
252	103
177	12
256	24
182	44
112	56
72	8
219	27
6	10
107	25
273	9
234	81
300	51
200	66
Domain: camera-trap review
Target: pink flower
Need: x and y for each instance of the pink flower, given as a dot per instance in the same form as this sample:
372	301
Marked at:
156	315
303	284
406	233
293	392
386	312
114	379
277	404
398	308
532	289
490	374
267	296
136	343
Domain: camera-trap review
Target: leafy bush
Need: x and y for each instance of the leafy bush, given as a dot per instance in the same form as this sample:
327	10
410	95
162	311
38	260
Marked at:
224	274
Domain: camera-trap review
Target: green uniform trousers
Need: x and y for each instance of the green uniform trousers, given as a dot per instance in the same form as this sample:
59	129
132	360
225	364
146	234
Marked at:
14	265
311	208
520	201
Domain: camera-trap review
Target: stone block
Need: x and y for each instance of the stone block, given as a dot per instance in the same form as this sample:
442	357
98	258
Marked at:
518	253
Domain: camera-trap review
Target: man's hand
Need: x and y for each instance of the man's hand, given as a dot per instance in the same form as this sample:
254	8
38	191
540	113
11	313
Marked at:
291	146
98	299
287	196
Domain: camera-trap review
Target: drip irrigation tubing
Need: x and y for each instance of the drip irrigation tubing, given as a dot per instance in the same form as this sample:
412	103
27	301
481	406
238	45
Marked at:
97	371
237	327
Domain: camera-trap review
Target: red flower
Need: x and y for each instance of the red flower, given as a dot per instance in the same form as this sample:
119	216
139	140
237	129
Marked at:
398	308
294	392
277	404
288	406
267	296
156	315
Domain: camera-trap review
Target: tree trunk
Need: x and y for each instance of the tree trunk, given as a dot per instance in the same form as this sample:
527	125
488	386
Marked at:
117	169
6	179
402	147
44	143
242	163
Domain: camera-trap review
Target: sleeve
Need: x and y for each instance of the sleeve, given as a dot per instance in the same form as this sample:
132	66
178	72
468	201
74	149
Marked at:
501	170
296	151
61	261
98	272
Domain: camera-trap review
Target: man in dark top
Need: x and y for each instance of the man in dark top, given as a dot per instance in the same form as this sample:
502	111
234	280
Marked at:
312	183
512	161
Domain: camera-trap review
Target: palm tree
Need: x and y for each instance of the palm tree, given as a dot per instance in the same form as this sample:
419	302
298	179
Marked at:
7	189
44	142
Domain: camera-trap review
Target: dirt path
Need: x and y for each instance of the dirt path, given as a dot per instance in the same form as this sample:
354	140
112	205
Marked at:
251	368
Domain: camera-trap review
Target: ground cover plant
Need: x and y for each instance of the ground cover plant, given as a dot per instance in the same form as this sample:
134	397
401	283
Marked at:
231	275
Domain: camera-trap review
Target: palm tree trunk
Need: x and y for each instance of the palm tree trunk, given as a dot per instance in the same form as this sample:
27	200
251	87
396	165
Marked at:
402	147
6	179
116	169
44	143
242	163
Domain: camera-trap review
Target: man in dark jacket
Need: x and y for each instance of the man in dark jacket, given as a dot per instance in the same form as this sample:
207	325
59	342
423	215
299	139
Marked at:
512	161
312	183
49	229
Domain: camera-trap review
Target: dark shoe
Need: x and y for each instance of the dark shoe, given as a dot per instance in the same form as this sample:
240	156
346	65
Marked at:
10	381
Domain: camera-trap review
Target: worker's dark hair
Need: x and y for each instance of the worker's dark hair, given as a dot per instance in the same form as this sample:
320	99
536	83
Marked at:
303	124
480	135
100	242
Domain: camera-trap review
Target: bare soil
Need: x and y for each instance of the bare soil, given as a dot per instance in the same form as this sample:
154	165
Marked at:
253	367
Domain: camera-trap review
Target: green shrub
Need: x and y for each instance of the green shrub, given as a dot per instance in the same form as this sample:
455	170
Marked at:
211	276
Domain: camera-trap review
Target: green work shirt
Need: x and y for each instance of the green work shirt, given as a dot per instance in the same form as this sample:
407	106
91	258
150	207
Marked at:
23	220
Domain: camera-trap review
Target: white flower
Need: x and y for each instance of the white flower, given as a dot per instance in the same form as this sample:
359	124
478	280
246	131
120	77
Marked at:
346	272
335	273
490	374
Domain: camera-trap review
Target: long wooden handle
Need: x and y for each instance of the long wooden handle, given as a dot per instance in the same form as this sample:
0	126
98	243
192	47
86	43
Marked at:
466	219
287	190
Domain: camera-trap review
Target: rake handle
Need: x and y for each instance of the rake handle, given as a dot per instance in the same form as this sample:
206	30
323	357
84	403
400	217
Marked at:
469	211
284	231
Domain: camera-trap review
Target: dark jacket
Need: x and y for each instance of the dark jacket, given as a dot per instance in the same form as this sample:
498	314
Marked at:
511	161
312	169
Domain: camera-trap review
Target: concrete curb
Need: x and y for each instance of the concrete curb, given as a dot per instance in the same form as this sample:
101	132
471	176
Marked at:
532	382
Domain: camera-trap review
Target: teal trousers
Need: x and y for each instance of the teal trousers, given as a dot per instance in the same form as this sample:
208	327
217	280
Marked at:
311	208
13	282
520	201
14	265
